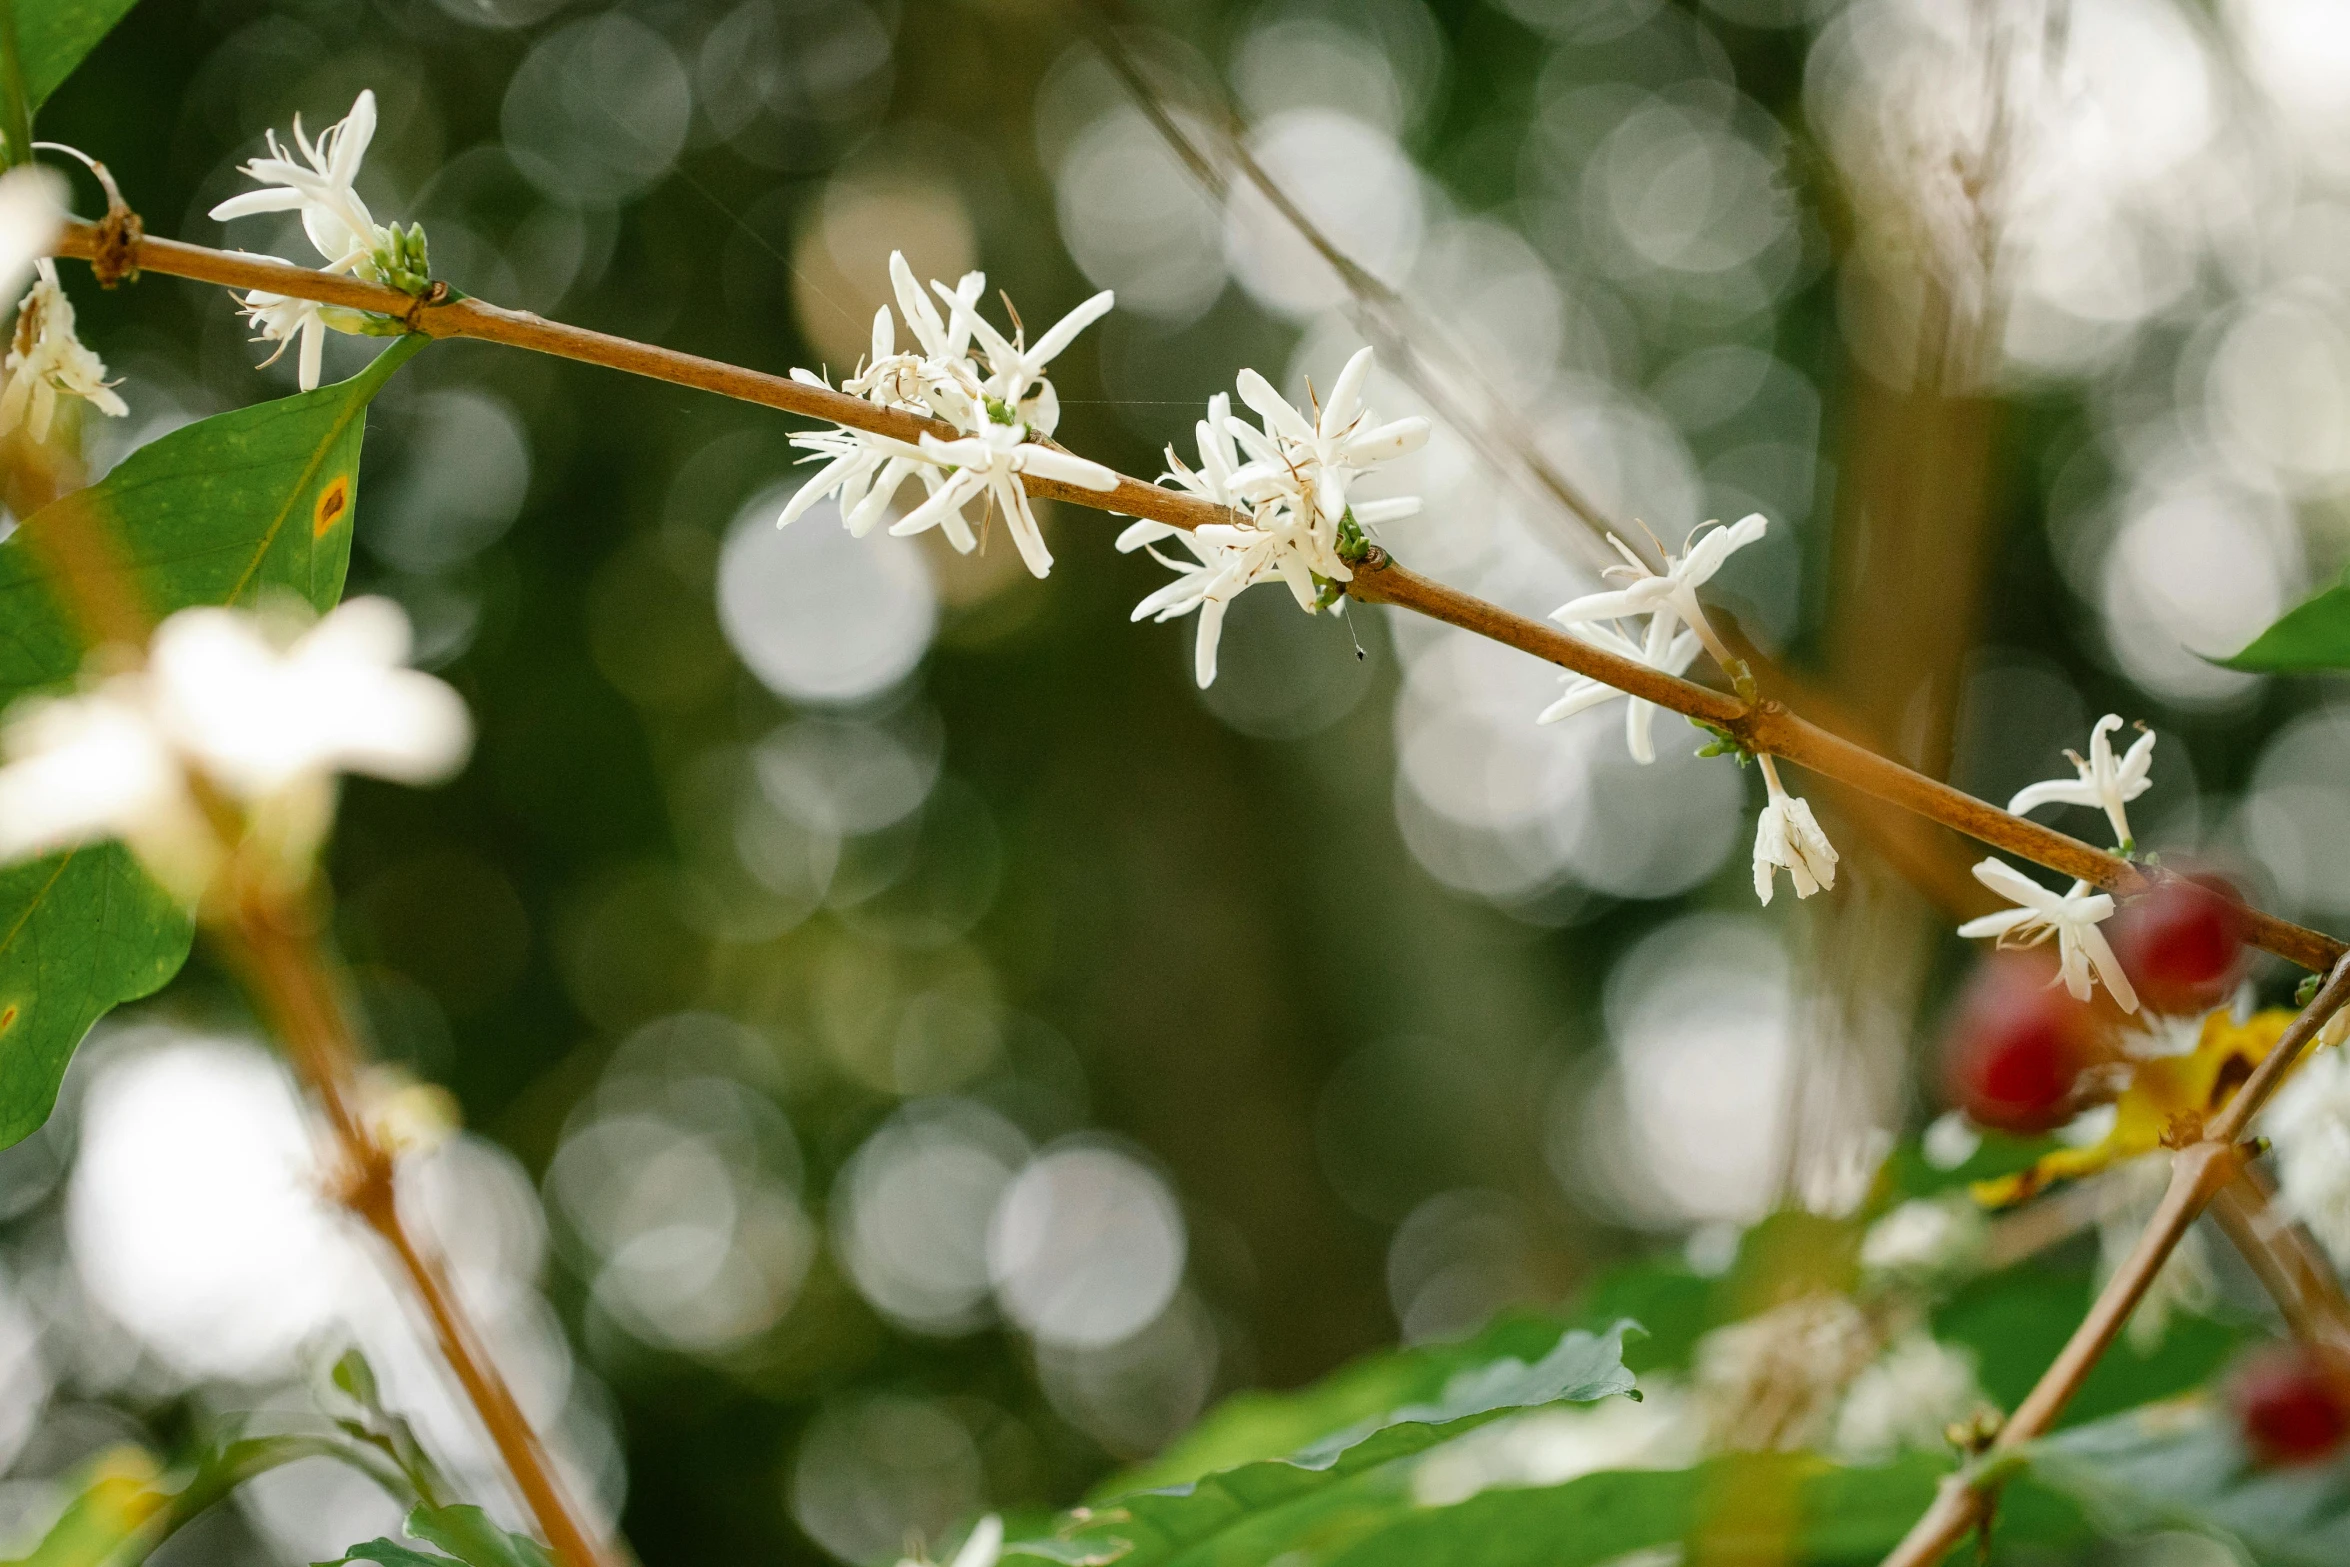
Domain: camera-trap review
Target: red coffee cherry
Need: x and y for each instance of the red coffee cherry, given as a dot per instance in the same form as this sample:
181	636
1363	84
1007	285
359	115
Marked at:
2017	1046
2182	944
2289	1409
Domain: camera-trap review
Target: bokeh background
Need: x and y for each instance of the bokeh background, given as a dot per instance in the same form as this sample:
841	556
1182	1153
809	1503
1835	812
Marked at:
917	1050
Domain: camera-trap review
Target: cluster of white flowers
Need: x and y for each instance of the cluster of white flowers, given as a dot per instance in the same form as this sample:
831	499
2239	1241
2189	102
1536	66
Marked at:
320	184
46	359
1286	485
251	709
1905	1400
1004	417
2072	916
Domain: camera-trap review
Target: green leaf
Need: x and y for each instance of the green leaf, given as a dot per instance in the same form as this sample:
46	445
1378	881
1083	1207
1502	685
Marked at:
467	1533
118	1515
52	36
388	1553
2315	635
2181	1465
1250	1513
217	512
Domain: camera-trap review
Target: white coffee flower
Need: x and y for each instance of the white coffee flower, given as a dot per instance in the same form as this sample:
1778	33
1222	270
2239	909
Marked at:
1924	1237
2309	1124
2105	781
1015	377
980	1549
1667	649
1319	456
1673	592
1279	528
320	185
32	212
1787	837
46	359
1905	1400
264	715
2071	917
990	464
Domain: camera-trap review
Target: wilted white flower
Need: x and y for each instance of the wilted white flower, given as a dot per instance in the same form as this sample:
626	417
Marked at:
1671	593
1787	837
46	358
2309	1122
2071	917
1773	1382
266	718
1667	648
990	463
1923	1237
32	211
2105	781
1905	1400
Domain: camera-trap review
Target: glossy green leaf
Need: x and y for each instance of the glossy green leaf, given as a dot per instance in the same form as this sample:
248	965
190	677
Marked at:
1252	1512
467	1533
2182	1465
53	36
221	511
2314	635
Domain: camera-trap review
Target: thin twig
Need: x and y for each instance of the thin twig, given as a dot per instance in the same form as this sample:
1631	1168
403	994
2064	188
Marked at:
2285	1260
2198	1174
1765	726
278	954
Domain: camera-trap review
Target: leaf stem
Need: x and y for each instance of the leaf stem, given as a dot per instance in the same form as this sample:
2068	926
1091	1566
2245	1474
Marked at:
1762	726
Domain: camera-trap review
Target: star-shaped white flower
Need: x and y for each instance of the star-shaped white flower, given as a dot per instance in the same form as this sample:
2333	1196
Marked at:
864	469
1321	455
47	359
285	320
990	464
320	184
1015	376
262	715
2105	781
1787	837
1677	651
1672	592
2071	917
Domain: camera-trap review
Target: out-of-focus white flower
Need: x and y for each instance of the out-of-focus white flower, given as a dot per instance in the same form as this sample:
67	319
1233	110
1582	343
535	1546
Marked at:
32	211
265	717
980	1549
1905	1400
1672	592
1282	527
1924	1237
2071	917
320	185
1320	455
82	768
2309	1123
1666	648
1950	1140
990	463
2105	781
1773	1382
1787	837
46	358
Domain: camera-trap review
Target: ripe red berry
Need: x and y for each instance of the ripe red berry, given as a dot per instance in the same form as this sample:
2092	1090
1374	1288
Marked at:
2289	1409
2017	1047
2182	944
